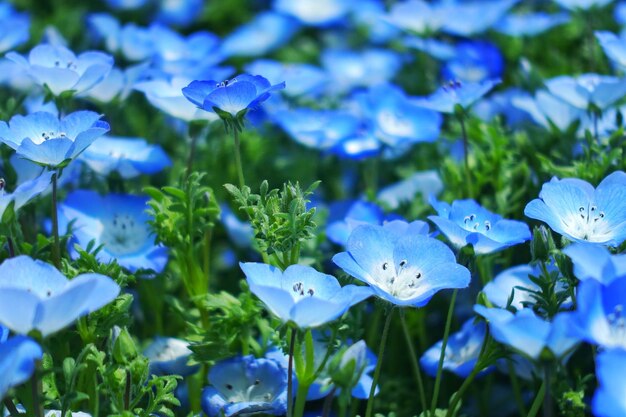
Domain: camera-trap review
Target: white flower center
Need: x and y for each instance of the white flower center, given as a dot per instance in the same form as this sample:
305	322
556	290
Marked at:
403	283
44	136
472	223
589	223
71	65
122	235
249	394
300	291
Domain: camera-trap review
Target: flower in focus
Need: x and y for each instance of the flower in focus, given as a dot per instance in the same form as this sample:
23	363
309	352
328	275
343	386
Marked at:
36	296
300	294
404	269
456	93
60	70
43	138
17	361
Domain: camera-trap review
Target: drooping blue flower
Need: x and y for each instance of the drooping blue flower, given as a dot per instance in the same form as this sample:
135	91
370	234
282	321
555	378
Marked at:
530	24
233	97
528	333
14	27
314	12
474	62
179	12
454	93
116	221
17	361
548	110
300	294
61	70
424	183
47	140
609	399
244	385
24	192
462	351
588	89
169	356
130	157
300	79
404	269
573	208
36	296
596	262
29	171
582	4
467	223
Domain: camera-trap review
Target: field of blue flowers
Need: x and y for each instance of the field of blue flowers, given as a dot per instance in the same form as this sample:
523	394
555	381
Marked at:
390	208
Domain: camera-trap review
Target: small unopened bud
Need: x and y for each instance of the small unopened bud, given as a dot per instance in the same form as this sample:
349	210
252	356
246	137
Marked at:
542	244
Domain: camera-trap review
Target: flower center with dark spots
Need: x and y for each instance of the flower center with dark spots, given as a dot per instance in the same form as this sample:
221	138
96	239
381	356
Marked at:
122	234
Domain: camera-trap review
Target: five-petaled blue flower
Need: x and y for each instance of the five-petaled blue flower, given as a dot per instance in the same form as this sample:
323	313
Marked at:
465	222
245	385
300	294
42	138
24	192
609	399
36	296
17	360
404	269
574	209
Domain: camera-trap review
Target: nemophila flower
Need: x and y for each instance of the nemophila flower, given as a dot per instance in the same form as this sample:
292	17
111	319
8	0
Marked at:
436	48
300	79
600	318
574	209
24	192
614	46
118	222
135	43
360	212
417	16
619	13
370	16
36	296
59	69
126	4
314	12
528	333
169	356
547	110
609	399
130	157
464	222
530	24
47	140
515	282
179	12
266	32
117	85
232	98
29	171
245	385
474	62
588	89
582	4
14	27
404	269
500	104
454	93
424	183
239	232
17	361
462	351
596	262
300	294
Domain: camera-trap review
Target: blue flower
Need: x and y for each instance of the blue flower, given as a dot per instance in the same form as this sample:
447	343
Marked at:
36	296
245	385
116	221
133	42
614	46
530	24
17	361
130	157
467	223
501	104
588	89
239	232
462	351
609	399
474	62
404	269
528	333
359	212
300	79
233	97
574	209
43	138
14	27
300	294
436	48
61	70
446	98
126	4
515	280
370	15
424	183
24	192
169	356
314	12
548	110
596	262
180	12
582	4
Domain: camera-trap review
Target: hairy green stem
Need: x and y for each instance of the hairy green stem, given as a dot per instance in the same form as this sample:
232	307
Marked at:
242	181
534	409
444	344
468	172
56	247
414	362
13	411
381	353
292	345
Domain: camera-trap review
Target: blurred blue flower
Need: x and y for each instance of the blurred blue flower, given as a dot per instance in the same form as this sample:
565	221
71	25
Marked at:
14	28
501	104
169	356
17	361
36	296
516	281
116	221
548	110
614	47
42	138
528	333
609	400
133	42
596	262
574	209
370	15
57	68
530	24
300	79
239	232
462	351
619	13
454	93
314	12
117	85
436	48
126	4
424	183
588	89
130	157
474	62
417	16
179	12
266	32
233	97
300	294
244	385
467	223
359	212
582	4
24	192
406	269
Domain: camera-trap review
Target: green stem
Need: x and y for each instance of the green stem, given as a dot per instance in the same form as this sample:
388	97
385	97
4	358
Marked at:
517	391
414	362
206	256
56	247
328	402
11	247
303	390
292	345
36	389
381	353
534	409
242	181
547	398
13	412
444	344
468	172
